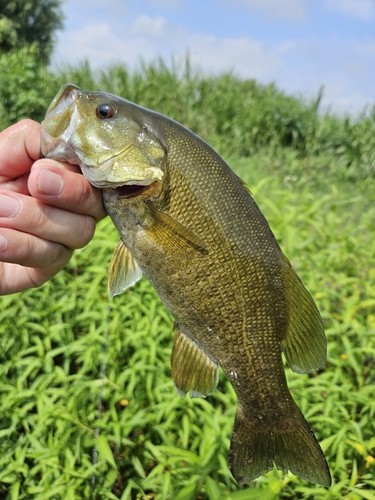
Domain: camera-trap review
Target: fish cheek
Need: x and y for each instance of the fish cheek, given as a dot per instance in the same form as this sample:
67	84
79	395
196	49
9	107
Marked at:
144	158
95	142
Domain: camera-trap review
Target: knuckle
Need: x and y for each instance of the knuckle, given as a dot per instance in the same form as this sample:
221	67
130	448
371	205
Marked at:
84	195
29	250
53	257
90	201
87	231
40	217
27	123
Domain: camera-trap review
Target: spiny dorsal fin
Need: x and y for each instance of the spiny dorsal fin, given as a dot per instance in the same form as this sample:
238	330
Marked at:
243	183
192	369
124	271
305	343
167	231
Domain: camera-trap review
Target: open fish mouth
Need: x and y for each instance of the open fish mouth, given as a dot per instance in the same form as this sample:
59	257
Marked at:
130	190
139	191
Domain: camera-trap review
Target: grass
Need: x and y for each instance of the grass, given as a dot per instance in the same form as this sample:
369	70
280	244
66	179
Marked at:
151	444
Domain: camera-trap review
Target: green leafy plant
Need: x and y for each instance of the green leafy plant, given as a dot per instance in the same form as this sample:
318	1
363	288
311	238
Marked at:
87	405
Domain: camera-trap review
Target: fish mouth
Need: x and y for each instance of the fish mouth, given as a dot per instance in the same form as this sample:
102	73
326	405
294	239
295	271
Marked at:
138	191
130	190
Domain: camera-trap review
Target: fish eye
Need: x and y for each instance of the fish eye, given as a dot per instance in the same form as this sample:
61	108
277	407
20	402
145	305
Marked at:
105	111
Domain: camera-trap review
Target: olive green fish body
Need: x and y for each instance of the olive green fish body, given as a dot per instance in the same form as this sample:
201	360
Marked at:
232	293
193	229
232	302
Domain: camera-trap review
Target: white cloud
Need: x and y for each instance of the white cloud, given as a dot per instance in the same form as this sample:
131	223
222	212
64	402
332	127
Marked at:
147	26
343	102
152	37
294	10
166	3
95	42
91	5
343	65
245	56
362	9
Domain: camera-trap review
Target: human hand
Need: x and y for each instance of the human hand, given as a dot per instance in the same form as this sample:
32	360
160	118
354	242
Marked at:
47	209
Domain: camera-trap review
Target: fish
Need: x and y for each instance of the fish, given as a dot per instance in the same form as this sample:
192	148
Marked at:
191	226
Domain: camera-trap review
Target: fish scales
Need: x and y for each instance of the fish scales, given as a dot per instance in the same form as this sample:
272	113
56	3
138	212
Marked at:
189	224
236	273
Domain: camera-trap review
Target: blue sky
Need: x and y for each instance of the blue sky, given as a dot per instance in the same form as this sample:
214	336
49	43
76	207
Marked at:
298	44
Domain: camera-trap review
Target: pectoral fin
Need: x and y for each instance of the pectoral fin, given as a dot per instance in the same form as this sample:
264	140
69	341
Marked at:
124	271
168	232
192	369
305	344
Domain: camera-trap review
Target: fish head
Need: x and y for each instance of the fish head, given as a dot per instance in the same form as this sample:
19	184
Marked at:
108	138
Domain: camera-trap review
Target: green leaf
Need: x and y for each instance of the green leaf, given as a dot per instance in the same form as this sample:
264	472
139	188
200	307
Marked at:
187	492
104	450
137	464
363	494
253	494
213	490
15	490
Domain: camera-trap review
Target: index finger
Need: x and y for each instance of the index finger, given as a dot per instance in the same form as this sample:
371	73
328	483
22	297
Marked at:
19	148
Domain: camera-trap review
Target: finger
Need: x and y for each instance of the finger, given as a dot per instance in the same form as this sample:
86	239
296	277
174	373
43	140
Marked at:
16	278
28	215
29	250
62	185
19	185
19	148
42	258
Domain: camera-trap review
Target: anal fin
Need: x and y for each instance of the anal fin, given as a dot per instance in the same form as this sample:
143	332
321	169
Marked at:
192	370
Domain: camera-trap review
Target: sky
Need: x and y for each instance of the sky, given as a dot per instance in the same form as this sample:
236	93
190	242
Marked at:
300	45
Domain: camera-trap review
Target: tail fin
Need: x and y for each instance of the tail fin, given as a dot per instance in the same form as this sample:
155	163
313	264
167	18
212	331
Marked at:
253	452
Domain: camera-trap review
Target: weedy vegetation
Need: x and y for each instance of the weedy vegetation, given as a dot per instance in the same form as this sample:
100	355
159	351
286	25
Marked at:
80	372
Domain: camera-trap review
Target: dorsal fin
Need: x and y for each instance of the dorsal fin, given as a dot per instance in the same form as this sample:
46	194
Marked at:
305	343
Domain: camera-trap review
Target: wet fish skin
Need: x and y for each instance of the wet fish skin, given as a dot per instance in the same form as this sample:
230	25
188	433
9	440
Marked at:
189	224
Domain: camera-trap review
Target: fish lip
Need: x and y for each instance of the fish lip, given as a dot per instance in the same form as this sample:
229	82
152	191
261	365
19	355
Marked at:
109	175
104	184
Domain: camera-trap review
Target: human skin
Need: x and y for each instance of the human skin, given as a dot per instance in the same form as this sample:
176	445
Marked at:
47	210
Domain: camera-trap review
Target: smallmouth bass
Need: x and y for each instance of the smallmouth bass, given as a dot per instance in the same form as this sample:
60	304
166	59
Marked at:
189	224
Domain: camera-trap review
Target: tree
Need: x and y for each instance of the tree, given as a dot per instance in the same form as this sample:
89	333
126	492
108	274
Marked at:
28	22
26	87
